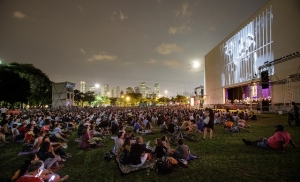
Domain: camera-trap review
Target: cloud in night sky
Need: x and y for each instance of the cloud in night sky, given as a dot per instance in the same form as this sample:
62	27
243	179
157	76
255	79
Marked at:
144	40
19	14
168	48
102	56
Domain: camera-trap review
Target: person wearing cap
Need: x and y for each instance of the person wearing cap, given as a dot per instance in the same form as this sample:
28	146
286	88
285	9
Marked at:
278	141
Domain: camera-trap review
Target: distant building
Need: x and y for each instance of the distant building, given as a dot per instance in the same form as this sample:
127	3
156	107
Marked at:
105	90
147	91
92	89
143	89
115	92
137	90
62	94
83	86
129	90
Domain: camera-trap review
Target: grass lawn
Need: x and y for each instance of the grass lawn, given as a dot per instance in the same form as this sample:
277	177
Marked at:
224	158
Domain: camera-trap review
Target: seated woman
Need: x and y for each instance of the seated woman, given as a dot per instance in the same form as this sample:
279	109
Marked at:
138	153
86	140
148	128
123	154
160	149
118	143
29	136
183	151
38	141
57	147
47	155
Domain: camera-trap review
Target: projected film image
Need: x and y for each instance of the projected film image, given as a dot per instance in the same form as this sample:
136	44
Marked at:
247	50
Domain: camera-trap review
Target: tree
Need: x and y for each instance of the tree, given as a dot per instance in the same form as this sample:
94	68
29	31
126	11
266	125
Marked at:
100	100
40	84
89	97
78	97
163	100
13	87
180	98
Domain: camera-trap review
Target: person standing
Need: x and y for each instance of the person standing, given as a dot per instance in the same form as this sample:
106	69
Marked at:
296	112
208	122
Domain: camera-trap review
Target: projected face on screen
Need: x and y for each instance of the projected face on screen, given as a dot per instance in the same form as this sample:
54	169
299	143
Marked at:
247	50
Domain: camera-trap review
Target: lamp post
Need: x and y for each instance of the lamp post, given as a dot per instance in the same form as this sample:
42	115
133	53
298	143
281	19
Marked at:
166	92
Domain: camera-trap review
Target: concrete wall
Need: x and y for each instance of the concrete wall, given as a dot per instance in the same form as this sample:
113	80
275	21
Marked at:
271	33
62	94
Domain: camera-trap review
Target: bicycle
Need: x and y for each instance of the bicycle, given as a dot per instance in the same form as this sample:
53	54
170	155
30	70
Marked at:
180	135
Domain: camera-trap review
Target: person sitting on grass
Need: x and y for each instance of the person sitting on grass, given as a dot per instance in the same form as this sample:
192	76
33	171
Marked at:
57	147
160	149
186	125
124	152
183	151
148	128
45	174
34	174
47	155
278	141
57	133
118	143
87	143
138	153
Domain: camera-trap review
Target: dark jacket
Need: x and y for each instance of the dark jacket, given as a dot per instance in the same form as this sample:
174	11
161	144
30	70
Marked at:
135	153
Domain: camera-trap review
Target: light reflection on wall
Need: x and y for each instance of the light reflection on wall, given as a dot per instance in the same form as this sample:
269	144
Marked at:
247	50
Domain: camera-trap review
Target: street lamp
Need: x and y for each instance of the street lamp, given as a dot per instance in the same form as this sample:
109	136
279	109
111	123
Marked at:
166	93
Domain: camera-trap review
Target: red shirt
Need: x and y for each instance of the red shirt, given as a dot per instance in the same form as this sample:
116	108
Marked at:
278	138
22	130
29	178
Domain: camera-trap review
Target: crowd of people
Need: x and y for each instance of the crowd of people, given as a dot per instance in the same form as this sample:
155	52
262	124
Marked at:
46	132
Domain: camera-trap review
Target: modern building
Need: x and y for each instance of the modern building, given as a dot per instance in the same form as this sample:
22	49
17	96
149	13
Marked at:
92	89
115	92
156	88
83	86
62	94
105	90
129	90
260	60
143	89
137	90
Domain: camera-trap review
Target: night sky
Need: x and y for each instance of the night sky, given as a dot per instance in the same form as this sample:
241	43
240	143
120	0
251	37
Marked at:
119	42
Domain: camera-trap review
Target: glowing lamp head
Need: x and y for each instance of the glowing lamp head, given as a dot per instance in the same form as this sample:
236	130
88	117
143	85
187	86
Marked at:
195	64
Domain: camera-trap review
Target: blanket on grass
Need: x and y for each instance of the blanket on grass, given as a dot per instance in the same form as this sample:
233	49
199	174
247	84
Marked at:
125	169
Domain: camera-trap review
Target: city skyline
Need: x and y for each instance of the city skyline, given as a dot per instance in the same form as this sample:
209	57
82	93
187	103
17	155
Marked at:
119	42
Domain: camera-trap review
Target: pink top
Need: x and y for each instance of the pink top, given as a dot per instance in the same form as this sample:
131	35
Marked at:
278	138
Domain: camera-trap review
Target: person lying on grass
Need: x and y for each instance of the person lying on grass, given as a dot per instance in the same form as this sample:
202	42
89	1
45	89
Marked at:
278	141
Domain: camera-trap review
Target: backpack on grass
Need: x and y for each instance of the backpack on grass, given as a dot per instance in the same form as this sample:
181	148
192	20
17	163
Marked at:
164	167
